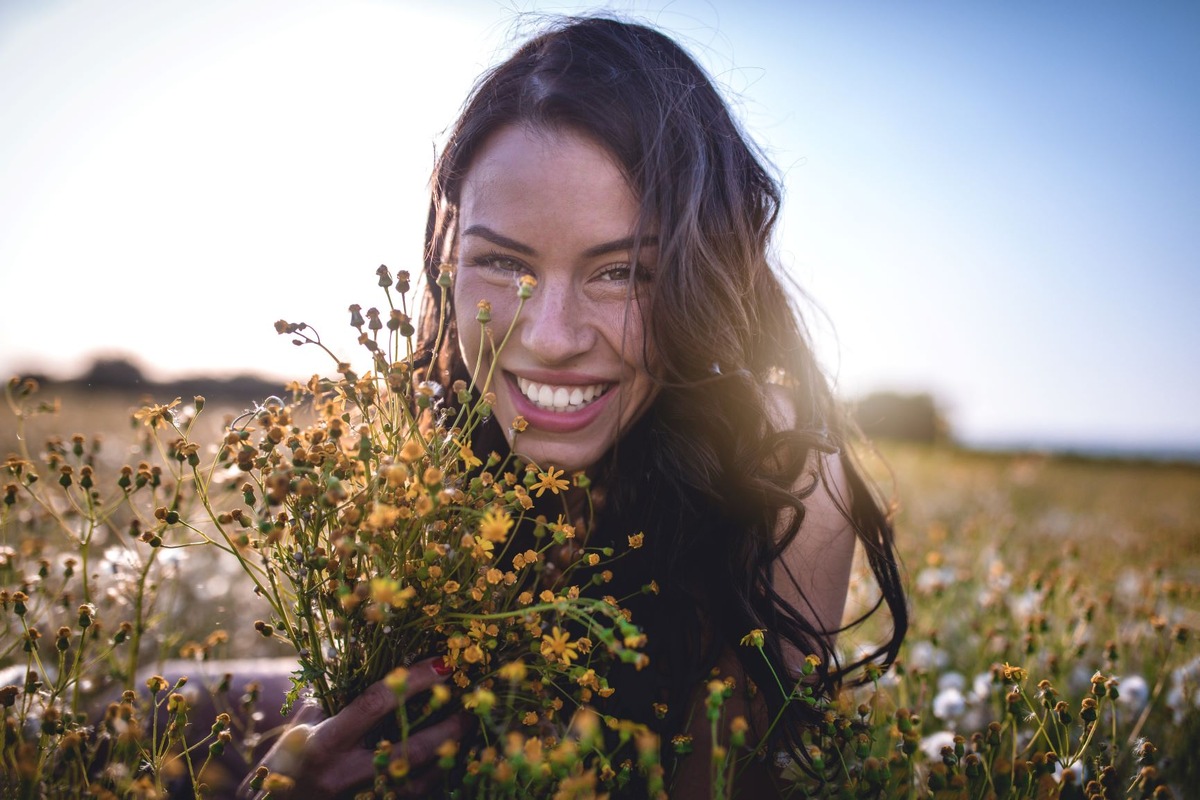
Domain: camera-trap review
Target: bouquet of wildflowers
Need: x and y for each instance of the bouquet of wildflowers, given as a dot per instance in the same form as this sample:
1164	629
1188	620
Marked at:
374	536
379	537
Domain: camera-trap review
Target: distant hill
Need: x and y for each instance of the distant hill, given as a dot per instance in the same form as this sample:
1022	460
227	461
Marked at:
901	417
122	375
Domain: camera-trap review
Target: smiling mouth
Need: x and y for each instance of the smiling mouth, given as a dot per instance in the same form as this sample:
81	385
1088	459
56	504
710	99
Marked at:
563	399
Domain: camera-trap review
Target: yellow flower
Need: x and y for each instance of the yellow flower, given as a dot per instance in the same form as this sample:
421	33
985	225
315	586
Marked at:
1013	673
495	525
411	451
755	638
388	591
530	718
470	460
635	541
556	646
481	699
382	517
397	681
513	672
519	424
551	480
155	415
481	548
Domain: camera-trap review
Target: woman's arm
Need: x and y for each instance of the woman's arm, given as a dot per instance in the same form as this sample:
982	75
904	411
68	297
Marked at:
813	573
813	576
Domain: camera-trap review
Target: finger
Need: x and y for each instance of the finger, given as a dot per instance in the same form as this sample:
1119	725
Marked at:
307	711
360	715
289	753
424	674
421	747
348	726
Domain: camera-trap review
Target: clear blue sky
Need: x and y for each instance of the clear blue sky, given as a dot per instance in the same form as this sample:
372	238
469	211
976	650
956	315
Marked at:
996	202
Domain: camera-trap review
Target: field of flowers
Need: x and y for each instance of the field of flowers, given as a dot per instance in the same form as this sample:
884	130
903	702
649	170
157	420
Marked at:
1052	652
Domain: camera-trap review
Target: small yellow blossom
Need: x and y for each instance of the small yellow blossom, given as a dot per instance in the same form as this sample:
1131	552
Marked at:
388	591
423	505
481	548
513	672
1013	673
481	699
755	638
411	451
383	517
470	460
397	680
556	646
495	525
635	541
550	480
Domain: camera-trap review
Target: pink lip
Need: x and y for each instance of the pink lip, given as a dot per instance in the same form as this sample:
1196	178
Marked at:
557	421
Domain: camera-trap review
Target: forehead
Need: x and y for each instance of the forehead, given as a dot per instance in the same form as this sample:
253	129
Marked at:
525	176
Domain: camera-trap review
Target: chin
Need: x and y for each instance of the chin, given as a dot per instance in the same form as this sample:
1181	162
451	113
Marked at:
554	454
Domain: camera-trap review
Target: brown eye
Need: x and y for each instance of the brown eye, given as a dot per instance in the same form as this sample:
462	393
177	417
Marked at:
499	263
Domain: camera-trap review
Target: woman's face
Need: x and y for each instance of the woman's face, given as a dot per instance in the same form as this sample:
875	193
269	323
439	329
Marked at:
553	205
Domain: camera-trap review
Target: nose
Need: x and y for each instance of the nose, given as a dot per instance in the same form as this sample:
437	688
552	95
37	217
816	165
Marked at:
554	324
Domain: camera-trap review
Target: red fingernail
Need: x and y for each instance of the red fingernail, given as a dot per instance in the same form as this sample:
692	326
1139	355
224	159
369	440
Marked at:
441	667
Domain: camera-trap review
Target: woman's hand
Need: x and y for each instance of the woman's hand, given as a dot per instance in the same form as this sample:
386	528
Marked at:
326	757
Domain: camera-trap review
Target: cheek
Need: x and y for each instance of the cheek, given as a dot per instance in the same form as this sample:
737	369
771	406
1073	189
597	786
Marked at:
468	292
631	339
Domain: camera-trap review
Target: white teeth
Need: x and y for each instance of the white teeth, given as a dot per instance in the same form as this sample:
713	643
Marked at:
561	398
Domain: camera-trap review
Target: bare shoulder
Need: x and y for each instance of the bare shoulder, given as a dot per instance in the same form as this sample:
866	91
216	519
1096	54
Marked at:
814	570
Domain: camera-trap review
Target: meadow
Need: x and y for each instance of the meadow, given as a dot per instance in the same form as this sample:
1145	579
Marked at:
1051	653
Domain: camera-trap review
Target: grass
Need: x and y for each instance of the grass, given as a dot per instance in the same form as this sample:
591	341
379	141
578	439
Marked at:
1062	566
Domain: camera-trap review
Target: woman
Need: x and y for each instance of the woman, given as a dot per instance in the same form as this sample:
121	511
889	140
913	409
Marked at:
661	356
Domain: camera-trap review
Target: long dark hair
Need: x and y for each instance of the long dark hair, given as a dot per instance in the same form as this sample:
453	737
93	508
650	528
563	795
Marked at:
708	479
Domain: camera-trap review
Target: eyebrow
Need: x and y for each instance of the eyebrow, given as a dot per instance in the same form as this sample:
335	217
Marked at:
615	246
